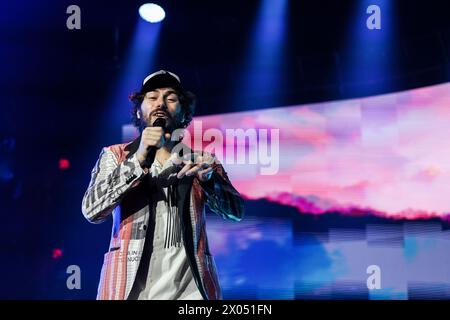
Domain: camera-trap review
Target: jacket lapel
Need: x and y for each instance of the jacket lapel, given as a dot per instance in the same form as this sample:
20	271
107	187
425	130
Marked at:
132	147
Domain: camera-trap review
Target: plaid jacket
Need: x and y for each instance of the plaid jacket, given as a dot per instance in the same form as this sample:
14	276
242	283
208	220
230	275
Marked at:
118	187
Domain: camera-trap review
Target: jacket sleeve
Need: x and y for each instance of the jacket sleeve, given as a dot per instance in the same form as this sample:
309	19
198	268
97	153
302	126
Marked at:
221	197
109	182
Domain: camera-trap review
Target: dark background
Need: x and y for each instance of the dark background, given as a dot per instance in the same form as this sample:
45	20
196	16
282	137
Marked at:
56	85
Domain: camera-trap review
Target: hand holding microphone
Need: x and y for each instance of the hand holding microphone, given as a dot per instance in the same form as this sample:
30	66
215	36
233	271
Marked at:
152	138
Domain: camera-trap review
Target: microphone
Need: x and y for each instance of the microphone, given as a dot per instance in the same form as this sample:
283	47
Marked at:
159	122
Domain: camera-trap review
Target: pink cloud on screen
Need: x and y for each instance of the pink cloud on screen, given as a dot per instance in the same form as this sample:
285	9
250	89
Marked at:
388	155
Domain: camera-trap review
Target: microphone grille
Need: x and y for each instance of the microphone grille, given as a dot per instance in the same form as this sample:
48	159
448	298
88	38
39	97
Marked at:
159	122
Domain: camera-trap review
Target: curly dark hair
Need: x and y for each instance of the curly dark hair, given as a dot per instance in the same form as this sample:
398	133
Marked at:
187	100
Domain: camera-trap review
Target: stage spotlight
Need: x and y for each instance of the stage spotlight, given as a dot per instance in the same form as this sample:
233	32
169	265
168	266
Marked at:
152	13
264	62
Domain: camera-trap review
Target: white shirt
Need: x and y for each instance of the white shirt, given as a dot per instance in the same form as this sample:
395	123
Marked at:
169	276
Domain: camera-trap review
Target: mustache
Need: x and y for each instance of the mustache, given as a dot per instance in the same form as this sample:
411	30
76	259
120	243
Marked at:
160	111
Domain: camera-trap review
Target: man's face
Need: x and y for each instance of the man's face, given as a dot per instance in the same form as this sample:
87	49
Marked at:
162	103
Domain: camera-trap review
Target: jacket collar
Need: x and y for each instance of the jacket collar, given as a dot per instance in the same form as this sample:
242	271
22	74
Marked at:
132	147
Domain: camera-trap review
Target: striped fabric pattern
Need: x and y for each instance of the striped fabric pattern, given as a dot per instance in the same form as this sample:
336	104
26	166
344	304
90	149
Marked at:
116	189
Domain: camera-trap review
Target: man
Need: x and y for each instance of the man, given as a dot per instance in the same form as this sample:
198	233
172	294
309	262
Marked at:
156	193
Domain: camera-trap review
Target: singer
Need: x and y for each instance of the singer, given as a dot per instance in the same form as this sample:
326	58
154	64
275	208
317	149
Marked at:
156	197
